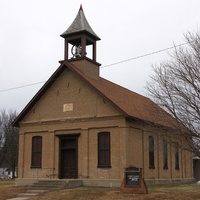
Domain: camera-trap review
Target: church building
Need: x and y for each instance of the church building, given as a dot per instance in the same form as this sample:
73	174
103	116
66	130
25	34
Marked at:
81	126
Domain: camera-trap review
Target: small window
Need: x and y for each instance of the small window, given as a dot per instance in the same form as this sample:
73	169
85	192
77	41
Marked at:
151	152
36	152
104	149
165	153
176	156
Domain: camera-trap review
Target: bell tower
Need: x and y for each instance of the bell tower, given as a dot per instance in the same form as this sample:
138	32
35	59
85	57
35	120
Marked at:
80	39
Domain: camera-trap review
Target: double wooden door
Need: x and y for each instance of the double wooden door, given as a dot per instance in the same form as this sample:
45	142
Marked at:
69	158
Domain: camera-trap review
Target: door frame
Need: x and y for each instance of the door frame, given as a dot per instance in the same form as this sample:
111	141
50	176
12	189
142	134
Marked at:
65	137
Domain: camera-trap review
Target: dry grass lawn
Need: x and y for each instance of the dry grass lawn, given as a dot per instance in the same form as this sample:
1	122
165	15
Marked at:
166	192
8	190
163	192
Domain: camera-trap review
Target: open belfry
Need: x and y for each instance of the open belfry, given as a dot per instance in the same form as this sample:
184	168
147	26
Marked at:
80	126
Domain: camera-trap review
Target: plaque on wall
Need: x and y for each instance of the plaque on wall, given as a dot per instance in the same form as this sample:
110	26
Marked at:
67	107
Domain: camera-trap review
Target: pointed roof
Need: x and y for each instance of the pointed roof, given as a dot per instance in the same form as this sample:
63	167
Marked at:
130	104
80	24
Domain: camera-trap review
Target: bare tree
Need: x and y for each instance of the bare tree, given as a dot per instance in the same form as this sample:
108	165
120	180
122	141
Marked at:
175	86
9	140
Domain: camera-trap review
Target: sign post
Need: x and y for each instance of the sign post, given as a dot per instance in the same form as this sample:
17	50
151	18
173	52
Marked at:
133	181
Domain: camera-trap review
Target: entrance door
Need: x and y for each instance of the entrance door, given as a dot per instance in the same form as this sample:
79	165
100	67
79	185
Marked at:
69	158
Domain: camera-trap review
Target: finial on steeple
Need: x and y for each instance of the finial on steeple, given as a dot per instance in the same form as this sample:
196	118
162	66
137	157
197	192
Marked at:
79	36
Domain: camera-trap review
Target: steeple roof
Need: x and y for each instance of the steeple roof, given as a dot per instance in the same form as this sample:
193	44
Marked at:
80	24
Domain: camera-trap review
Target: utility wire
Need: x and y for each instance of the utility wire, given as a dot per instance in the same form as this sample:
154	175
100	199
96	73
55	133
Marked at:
144	55
116	63
19	87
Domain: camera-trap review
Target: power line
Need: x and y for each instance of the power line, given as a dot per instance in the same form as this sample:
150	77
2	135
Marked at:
144	55
19	87
116	63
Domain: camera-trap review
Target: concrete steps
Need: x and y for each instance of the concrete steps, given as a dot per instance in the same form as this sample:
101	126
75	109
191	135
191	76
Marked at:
19	198
40	187
47	185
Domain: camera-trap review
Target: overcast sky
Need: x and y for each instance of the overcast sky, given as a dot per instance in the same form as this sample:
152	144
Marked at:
31	46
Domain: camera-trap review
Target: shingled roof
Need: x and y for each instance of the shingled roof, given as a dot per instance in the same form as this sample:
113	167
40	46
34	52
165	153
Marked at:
129	103
80	24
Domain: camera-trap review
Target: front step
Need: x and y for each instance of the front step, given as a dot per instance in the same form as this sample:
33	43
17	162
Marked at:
36	191
27	194
47	185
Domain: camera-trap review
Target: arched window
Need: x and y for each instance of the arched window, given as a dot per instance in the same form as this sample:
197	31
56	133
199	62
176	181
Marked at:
165	154
104	149
151	152
36	160
176	156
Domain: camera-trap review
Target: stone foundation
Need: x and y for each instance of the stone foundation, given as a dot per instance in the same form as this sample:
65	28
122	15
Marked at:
113	183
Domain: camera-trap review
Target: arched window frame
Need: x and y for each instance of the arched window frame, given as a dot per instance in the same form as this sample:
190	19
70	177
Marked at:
176	149
165	154
36	158
151	153
104	150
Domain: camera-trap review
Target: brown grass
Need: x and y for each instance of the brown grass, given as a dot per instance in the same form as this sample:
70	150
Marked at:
8	190
163	192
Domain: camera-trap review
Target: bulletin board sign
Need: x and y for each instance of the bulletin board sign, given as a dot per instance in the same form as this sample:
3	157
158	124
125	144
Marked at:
133	181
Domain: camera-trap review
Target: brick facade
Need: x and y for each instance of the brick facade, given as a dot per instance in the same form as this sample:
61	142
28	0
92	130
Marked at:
90	115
